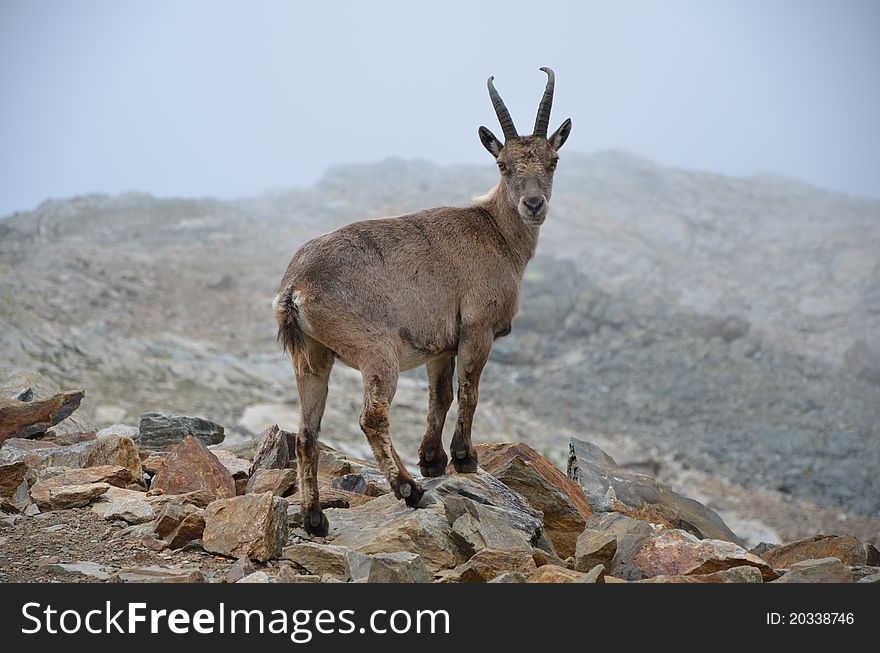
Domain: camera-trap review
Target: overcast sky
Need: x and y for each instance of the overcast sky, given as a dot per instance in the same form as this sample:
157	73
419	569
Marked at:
233	98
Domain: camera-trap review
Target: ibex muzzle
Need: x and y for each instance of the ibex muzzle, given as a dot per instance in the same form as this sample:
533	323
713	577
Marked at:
428	288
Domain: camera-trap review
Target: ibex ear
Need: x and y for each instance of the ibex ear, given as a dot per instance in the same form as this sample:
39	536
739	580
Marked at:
490	142
560	135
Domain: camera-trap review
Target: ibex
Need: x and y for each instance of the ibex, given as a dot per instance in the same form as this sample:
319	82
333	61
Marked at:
427	288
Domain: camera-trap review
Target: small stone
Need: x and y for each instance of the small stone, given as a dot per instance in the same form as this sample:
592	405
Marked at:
111	474
597	575
509	577
317	558
556	574
255	577
845	548
239	569
280	482
88	568
398	567
485	565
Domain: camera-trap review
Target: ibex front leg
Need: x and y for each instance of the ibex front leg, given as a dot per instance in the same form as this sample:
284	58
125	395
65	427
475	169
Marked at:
432	458
473	351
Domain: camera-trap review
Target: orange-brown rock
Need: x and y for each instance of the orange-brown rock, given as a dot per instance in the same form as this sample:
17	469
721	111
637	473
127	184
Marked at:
23	419
678	553
845	548
547	489
189	467
556	574
114	475
485	565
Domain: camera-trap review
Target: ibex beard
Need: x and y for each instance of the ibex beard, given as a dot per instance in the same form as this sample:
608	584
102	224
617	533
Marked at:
428	288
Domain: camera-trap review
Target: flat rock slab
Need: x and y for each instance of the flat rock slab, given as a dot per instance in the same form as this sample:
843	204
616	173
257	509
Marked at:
556	574
159	430
543	486
75	496
318	558
110	474
24	419
823	570
487	564
397	567
157	575
610	488
280	482
88	568
190	466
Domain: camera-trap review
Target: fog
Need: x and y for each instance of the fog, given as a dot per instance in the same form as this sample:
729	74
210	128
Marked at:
233	98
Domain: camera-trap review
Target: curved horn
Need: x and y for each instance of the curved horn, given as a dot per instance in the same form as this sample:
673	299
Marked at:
543	119
501	111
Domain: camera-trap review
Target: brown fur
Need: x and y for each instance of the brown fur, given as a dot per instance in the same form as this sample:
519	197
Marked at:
424	288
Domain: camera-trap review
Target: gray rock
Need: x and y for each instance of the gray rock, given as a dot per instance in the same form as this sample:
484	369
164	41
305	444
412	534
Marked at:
273	452
509	577
132	432
823	570
397	567
88	568
595	575
594	548
255	577
630	534
610	488
239	569
157	575
158	430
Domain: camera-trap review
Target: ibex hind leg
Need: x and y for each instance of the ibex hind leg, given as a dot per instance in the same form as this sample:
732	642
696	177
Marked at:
432	457
312	365
380	382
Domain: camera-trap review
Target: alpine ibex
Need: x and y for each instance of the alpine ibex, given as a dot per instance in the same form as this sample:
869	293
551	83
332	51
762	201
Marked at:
426	288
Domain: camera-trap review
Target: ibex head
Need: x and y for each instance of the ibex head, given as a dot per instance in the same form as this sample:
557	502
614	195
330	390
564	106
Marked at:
527	163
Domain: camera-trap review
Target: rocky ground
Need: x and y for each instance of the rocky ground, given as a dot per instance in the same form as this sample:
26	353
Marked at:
718	333
154	503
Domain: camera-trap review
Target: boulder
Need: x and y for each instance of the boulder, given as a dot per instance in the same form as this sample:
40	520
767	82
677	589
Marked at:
608	487
119	429
542	557
679	553
272	452
543	486
254	525
153	462
189	467
462	514
823	570
159	430
280	482
317	559
594	548
556	574
845	548
25	419
742	574
485	513
112	450
157	575
111	474
177	525
487	564
397	567
595	575
75	496
87	568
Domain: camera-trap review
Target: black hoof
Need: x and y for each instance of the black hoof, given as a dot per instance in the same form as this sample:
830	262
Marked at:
410	491
431	465
315	522
464	462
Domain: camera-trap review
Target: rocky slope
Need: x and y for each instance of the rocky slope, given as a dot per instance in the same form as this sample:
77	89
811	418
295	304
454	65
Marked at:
720	333
112	506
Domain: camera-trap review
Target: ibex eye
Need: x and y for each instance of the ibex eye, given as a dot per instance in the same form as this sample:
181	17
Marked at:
502	167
